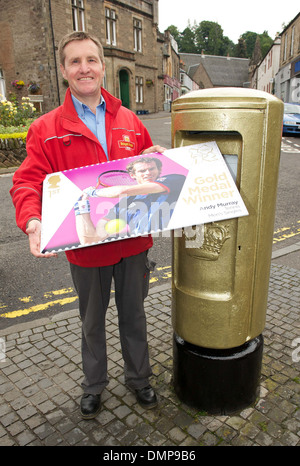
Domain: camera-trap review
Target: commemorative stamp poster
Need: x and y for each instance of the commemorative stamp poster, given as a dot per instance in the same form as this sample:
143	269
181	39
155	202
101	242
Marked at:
136	196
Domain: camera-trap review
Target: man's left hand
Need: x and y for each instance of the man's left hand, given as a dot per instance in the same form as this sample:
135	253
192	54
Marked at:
152	149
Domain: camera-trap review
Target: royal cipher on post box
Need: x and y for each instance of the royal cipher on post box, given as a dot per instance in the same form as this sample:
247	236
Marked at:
220	289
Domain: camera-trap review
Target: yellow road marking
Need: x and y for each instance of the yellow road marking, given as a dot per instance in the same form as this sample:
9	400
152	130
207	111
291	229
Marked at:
281	229
58	292
293	231
41	307
26	299
38	307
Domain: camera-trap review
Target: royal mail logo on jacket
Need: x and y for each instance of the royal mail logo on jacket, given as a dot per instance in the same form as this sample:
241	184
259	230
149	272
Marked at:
125	143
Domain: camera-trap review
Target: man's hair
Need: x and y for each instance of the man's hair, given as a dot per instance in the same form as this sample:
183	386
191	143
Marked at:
78	35
130	167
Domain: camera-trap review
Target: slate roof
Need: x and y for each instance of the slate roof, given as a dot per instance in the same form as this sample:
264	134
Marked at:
222	71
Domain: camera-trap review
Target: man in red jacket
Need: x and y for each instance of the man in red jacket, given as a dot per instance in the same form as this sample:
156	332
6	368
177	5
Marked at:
91	127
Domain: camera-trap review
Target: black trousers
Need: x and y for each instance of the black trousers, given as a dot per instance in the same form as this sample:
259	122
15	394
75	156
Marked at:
93	285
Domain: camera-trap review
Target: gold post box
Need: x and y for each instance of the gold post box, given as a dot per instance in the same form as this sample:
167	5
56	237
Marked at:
220	289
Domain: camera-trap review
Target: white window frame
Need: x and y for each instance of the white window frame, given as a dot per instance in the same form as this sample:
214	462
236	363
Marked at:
285	47
292	41
78	15
137	35
104	80
2	86
139	89
167	93
110	26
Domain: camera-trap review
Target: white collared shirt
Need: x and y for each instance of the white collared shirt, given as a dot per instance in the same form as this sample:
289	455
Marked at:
96	123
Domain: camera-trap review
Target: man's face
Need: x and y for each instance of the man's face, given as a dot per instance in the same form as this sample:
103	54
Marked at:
145	172
83	69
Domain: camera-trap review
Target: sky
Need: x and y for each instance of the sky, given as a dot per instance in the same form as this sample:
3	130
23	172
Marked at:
235	17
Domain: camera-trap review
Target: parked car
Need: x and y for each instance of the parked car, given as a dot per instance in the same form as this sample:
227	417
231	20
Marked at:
291	119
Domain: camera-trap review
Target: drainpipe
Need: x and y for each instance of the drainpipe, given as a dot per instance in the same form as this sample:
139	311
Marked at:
54	54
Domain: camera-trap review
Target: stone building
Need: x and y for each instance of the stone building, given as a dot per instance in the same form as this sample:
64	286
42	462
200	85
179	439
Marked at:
134	49
263	74
171	70
287	80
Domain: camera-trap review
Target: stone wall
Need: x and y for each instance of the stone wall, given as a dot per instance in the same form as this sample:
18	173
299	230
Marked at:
12	152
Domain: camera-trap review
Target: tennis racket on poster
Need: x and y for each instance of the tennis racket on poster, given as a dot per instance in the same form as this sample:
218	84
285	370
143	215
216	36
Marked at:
109	179
114	178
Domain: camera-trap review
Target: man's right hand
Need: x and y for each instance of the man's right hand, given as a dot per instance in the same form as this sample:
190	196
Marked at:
34	234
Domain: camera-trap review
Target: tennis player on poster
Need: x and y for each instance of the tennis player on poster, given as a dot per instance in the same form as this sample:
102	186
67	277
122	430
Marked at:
146	201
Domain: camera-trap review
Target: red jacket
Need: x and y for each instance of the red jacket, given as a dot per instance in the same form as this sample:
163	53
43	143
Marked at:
60	141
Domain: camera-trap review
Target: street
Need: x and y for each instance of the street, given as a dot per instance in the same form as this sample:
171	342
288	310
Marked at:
34	288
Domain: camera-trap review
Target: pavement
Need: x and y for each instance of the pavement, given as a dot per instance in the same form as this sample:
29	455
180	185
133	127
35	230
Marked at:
40	382
41	374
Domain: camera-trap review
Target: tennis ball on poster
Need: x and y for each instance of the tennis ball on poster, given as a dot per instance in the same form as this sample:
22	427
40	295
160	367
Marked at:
115	226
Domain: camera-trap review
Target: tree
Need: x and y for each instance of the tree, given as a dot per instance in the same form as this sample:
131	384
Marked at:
228	47
265	43
249	39
187	41
241	48
175	33
209	38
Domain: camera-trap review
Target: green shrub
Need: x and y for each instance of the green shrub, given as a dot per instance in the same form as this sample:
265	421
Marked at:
12	114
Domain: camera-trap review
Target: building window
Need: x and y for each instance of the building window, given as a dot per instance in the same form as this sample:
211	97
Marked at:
110	24
270	58
104	82
285	47
292	41
78	15
137	35
2	86
168	93
139	89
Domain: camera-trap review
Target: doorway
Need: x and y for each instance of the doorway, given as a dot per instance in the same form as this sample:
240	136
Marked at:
124	88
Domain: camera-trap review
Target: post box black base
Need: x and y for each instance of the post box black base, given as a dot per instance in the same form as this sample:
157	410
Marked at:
217	381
